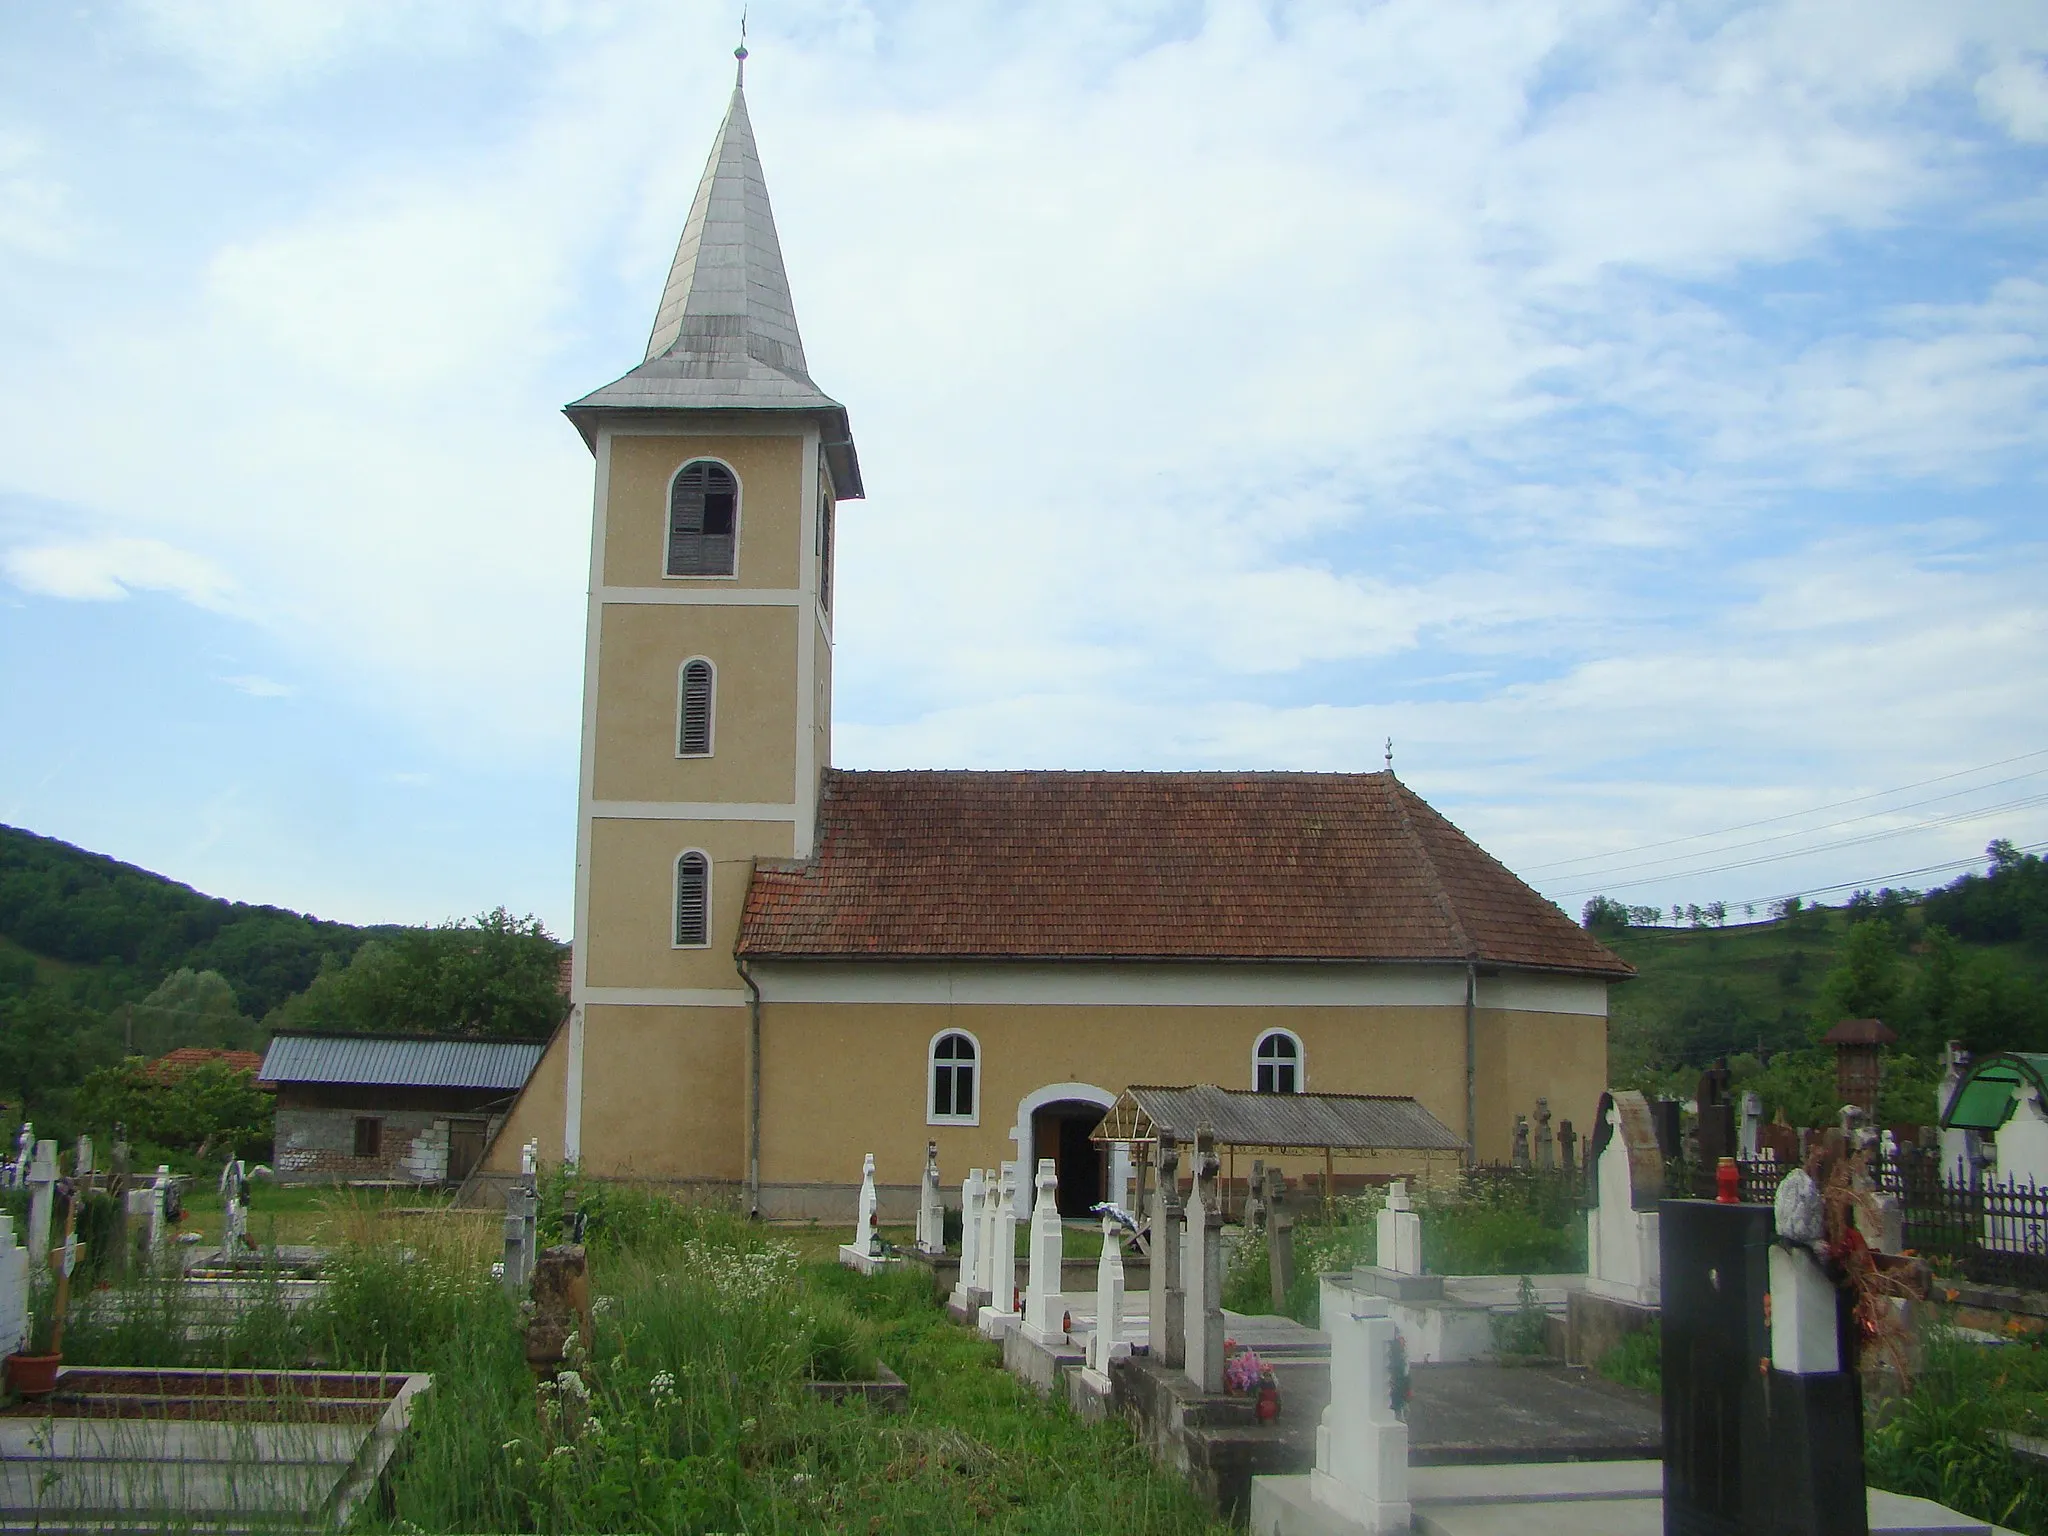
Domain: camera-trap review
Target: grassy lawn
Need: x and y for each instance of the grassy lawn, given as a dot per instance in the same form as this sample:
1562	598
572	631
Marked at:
323	1215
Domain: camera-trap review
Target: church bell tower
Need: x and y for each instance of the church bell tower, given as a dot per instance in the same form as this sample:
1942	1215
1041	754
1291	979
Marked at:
706	683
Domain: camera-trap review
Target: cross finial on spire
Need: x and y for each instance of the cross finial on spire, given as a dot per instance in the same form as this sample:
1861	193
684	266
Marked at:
1390	754
740	53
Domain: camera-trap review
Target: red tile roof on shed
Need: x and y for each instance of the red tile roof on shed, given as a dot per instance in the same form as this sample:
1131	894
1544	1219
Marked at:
186	1057
1187	866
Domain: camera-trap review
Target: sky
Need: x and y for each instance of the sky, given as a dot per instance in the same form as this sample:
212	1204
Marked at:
1634	411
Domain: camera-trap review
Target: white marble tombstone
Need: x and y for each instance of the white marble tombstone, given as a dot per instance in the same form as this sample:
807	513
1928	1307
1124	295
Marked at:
42	1204
1042	1304
1400	1232
1750	1134
864	1217
970	1250
1803	1337
1204	1352
1623	1258
931	1208
991	1220
13	1289
1108	1342
1361	1467
1001	1310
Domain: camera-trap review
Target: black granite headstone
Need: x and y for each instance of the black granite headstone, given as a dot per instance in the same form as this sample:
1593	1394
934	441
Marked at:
1748	1448
1664	1119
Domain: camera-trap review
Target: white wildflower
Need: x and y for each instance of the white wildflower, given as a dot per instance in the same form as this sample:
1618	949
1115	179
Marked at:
560	1450
600	1305
594	1426
509	1445
572	1385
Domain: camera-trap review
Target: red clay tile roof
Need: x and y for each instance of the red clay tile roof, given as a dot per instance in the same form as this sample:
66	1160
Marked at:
186	1057
1267	866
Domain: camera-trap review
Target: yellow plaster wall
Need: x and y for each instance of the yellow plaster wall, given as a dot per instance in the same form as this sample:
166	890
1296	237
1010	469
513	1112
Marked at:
641	649
821	701
632	898
841	1079
664	1092
770	471
537	1114
1558	1056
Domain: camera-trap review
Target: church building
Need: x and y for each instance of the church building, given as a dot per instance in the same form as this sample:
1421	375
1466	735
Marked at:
780	965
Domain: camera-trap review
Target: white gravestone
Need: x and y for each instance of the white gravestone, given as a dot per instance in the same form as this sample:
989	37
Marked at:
1001	1310
234	1196
970	1250
1042	1305
864	1221
1108	1343
1204	1348
1750	1136
13	1290
1623	1258
1400	1232
2022	1144
1803	1337
42	1203
931	1207
991	1213
1361	1467
24	1152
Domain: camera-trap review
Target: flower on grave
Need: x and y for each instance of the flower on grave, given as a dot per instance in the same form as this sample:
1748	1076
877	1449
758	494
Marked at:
498	1270
1244	1371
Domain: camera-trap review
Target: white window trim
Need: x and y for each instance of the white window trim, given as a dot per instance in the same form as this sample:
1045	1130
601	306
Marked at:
1300	1058
711	717
931	1067
668	502
675	891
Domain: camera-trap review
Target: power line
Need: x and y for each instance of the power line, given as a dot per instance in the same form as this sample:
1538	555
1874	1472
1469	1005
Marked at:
1975	813
1871	881
1814	810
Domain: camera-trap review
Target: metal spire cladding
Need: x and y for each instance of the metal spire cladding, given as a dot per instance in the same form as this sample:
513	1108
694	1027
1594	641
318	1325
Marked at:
725	336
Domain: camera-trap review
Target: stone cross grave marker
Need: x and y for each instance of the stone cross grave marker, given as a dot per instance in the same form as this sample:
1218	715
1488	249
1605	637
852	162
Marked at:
42	1184
1002	1287
1042	1310
1546	1144
864	1219
1166	1328
1279	1239
1749	1138
1521	1144
1108	1343
1567	1147
991	1221
1400	1232
1202	1271
1361	1469
969	1281
931	1207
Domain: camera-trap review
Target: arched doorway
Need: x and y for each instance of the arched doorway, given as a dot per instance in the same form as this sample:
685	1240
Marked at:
1055	1122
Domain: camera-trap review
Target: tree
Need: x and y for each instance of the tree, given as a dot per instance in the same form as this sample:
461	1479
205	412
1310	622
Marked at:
494	976
1866	983
1603	914
212	1109
187	1008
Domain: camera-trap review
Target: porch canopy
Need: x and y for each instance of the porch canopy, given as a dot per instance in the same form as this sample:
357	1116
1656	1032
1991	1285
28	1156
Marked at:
1988	1091
1277	1124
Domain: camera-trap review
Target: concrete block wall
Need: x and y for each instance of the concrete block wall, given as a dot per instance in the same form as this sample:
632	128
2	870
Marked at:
318	1146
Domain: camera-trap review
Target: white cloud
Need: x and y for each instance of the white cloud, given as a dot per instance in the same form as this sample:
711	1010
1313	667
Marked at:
109	569
2015	96
259	687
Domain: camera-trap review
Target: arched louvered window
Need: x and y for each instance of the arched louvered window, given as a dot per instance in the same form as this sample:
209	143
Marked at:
954	1056
703	520
1277	1063
695	693
824	542
693	900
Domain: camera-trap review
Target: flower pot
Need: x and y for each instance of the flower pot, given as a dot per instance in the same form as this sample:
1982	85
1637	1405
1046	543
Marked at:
1268	1407
33	1375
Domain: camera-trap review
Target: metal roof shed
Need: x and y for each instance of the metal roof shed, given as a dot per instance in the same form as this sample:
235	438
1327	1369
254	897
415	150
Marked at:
400	1061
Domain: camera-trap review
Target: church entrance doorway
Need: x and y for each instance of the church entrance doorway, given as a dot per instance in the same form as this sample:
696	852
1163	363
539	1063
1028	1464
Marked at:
1060	1132
1055	1122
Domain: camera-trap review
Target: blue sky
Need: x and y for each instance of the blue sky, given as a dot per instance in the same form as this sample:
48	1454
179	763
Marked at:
1636	411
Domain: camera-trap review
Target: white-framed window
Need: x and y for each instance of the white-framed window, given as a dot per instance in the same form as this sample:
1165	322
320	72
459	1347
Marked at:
1278	1063
824	537
696	703
693	899
953	1079
703	520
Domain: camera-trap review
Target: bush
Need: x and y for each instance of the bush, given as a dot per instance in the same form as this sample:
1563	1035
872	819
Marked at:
1637	1361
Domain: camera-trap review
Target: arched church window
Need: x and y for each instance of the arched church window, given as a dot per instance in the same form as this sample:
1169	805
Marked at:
695	694
1277	1062
824	550
703	520
693	900
954	1056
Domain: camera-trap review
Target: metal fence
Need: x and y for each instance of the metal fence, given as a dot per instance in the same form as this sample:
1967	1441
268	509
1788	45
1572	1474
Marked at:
1988	1232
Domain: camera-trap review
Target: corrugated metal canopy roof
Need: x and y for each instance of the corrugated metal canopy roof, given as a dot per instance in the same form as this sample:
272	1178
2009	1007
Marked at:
1278	1122
392	1062
1986	1095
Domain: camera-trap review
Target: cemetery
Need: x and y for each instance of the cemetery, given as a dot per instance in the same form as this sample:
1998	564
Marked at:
1263	1326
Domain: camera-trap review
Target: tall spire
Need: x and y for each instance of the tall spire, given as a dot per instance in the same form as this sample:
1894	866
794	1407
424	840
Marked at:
725	334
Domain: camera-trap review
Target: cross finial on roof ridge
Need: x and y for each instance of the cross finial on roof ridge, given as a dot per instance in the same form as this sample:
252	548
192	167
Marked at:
739	77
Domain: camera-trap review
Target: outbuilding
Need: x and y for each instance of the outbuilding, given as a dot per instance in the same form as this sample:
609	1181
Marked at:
384	1109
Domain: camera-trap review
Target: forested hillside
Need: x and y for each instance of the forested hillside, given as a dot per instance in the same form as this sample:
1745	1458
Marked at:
100	960
1968	962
